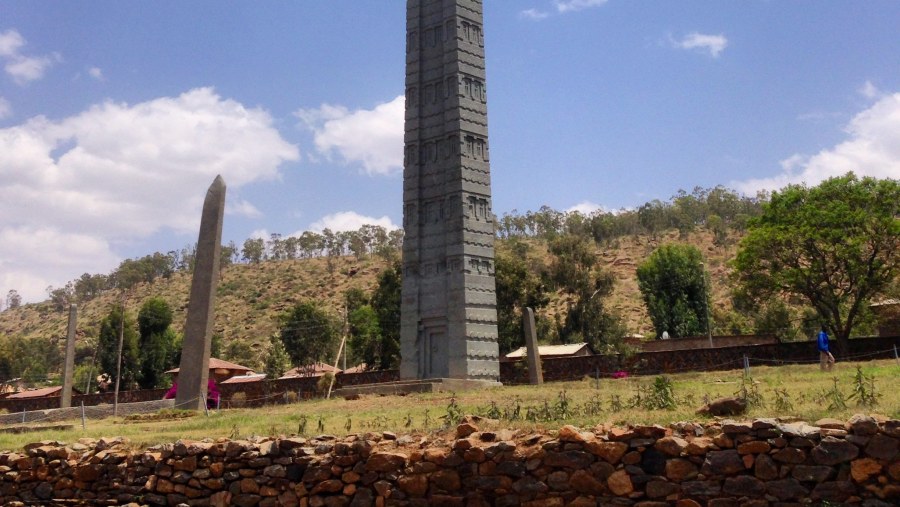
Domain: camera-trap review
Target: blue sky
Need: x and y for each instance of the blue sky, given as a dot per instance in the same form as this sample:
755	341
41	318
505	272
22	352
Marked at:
115	116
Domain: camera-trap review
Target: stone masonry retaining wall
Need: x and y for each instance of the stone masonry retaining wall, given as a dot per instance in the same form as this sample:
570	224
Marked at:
720	464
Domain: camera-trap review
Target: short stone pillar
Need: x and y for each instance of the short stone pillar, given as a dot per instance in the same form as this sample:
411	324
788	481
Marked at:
535	373
69	367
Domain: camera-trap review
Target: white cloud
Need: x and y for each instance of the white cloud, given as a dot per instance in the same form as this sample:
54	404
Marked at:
348	221
26	69
577	5
33	258
872	148
119	172
585	208
259	234
561	7
96	73
5	109
869	90
23	69
10	42
711	44
372	138
818	115
534	14
240	207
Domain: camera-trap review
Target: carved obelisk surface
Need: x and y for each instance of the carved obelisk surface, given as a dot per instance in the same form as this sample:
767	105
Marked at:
194	368
449	306
69	366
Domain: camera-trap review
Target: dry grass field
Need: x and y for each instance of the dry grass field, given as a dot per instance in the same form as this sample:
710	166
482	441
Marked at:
789	392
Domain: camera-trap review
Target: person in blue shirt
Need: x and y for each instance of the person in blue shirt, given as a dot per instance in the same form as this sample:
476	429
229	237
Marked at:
826	360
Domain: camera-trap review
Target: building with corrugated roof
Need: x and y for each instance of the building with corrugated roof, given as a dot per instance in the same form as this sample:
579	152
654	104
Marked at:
552	351
312	370
221	370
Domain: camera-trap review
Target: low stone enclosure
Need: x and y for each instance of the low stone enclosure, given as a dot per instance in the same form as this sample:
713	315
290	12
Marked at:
724	463
255	394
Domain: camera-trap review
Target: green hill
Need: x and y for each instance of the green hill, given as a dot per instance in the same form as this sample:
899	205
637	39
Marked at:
251	296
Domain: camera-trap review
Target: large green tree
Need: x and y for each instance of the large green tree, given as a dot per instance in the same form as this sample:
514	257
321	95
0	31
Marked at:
573	271
518	287
365	339
277	360
29	358
836	245
309	333
386	303
109	348
672	284
157	342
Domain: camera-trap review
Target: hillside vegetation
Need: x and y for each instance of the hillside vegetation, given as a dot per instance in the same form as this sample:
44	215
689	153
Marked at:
251	297
818	256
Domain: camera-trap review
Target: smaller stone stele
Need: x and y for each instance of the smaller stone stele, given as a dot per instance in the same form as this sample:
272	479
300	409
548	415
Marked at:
535	371
69	366
193	372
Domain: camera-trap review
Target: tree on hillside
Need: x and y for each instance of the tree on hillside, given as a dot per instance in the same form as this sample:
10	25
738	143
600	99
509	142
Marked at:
62	297
228	255
109	346
672	284
354	297
143	270
277	360
518	287
365	341
13	299
157	343
386	303
243	353
835	245
309	333
90	286
573	271
254	250
655	216
30	359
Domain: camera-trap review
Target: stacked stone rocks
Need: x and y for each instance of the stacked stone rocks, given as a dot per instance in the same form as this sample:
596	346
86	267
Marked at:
763	462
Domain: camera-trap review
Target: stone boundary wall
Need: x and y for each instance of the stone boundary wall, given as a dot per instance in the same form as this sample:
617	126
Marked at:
699	342
701	359
256	394
758	463
269	392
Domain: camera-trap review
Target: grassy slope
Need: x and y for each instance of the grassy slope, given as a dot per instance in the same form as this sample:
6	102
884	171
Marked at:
251	297
804	385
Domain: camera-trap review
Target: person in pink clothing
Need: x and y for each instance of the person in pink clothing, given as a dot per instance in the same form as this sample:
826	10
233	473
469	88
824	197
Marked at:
212	393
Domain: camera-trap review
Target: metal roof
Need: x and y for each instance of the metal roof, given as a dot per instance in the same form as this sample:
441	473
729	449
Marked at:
241	379
37	393
550	350
215	364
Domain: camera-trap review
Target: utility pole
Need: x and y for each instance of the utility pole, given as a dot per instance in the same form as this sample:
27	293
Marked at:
345	332
706	304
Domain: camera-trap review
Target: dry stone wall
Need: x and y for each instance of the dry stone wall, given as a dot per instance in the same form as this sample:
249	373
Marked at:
763	462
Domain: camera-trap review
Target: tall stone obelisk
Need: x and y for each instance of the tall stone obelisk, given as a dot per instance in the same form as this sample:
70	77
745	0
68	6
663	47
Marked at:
193	372
449	305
